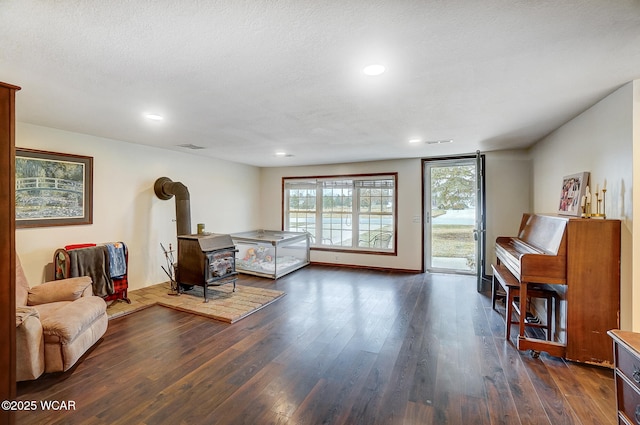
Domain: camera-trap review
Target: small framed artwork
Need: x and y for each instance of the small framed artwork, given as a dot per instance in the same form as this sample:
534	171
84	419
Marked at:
53	189
573	189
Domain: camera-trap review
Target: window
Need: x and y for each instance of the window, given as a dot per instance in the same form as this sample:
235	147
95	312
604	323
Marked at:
343	212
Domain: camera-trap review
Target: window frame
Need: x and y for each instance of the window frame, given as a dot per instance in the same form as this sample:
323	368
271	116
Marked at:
355	211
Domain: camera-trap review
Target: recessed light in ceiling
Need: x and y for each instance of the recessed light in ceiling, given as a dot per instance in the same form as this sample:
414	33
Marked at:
154	117
430	142
438	142
373	70
283	154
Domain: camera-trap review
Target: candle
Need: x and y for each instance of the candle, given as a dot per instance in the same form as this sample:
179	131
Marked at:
584	200
597	188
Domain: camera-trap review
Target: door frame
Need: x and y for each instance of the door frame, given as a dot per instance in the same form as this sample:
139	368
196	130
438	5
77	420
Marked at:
481	207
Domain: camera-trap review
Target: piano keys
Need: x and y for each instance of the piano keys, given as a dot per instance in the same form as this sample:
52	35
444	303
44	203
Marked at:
581	259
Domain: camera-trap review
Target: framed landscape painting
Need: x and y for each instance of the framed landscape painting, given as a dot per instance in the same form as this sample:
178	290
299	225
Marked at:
573	189
53	189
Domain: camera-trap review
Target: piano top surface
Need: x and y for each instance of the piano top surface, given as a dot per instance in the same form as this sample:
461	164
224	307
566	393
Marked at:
543	233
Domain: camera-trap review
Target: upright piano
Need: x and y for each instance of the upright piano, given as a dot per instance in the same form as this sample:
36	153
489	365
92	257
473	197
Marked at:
581	259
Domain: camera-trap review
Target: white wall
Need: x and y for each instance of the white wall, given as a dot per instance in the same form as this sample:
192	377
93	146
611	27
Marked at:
635	296
409	206
224	196
508	195
599	141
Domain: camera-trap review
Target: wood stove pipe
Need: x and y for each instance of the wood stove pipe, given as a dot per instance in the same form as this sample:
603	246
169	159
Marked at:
165	189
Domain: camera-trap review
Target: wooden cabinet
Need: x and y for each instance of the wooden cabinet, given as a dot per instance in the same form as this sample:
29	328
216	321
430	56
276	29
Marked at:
593	289
626	353
7	247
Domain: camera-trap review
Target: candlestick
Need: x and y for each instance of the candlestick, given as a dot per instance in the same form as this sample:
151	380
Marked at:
588	197
598	213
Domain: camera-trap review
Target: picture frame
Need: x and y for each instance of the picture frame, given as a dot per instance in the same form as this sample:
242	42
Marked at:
52	189
574	187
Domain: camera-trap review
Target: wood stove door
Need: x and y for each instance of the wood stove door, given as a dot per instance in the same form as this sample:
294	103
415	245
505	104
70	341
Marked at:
220	264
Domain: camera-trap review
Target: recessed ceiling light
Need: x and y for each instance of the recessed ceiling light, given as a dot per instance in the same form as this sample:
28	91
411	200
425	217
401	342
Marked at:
283	154
430	142
154	117
374	69
438	142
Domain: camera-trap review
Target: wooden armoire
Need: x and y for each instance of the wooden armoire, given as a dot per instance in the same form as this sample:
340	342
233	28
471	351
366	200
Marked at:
7	248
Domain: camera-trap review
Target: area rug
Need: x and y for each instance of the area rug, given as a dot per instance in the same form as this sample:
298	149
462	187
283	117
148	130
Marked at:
224	304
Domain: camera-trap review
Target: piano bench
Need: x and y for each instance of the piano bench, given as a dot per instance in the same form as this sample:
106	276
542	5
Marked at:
510	285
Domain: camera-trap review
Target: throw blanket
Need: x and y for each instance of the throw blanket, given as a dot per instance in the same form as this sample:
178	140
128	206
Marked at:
117	261
92	262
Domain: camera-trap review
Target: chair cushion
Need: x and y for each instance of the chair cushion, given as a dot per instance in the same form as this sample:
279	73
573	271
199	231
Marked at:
58	290
45	310
69	321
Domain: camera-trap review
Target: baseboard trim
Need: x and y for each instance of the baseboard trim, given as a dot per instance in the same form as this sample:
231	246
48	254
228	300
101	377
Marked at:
355	266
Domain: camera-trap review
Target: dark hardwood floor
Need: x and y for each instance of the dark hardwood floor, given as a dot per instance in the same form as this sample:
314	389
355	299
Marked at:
344	346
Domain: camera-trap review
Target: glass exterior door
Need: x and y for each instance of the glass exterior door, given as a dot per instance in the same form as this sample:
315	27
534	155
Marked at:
451	215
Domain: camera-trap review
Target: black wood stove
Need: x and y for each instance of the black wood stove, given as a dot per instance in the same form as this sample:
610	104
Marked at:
206	260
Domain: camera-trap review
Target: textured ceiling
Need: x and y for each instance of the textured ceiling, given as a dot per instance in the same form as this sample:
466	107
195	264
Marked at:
247	78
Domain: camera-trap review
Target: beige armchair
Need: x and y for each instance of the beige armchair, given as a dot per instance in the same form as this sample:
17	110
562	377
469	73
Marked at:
56	323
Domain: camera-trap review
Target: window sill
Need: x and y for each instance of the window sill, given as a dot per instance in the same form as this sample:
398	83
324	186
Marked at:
354	250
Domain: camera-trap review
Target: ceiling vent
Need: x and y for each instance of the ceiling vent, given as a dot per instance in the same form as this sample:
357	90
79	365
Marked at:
191	146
